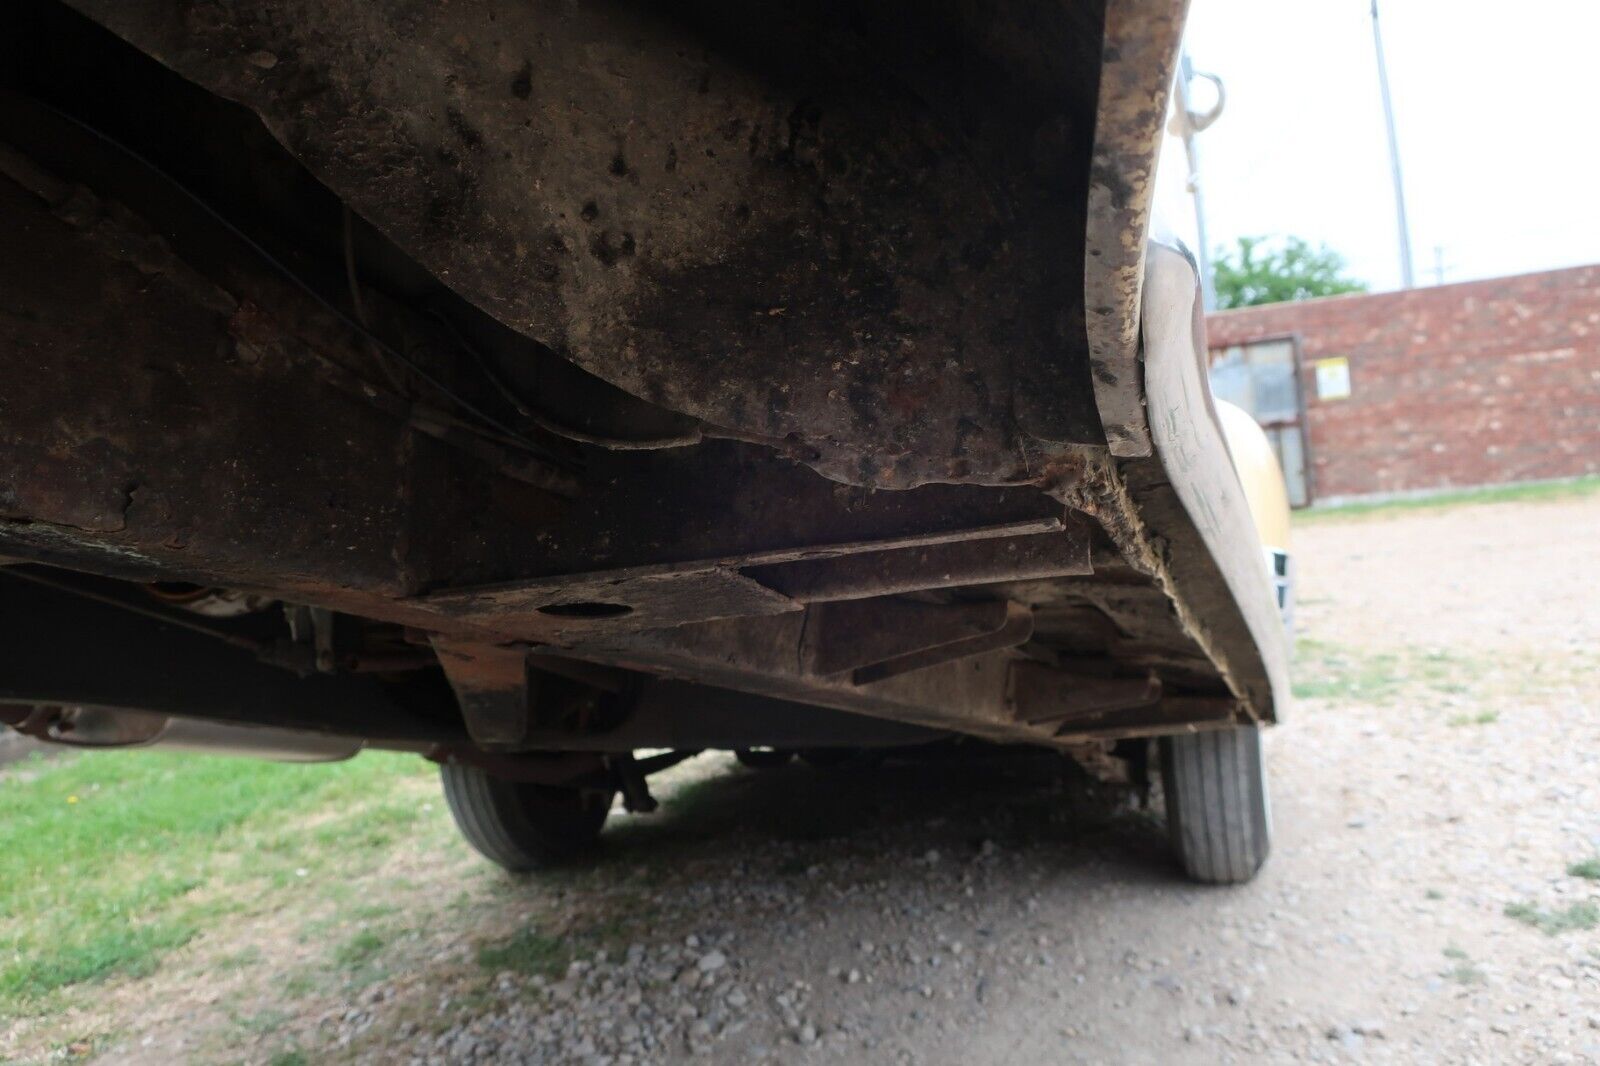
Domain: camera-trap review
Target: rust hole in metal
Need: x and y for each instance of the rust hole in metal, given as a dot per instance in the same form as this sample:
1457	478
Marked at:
586	609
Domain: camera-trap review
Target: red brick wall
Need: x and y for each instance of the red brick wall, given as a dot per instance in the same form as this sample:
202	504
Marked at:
1471	384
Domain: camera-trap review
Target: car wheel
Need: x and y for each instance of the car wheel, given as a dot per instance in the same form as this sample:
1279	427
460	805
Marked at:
523	826
1217	808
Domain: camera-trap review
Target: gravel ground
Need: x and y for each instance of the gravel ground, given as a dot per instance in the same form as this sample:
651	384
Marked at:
1493	578
1002	912
15	746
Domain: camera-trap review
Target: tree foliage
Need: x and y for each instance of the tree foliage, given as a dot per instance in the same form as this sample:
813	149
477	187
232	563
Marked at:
1259	271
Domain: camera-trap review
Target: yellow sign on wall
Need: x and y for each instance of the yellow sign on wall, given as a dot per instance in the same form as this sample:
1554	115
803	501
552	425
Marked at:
1333	378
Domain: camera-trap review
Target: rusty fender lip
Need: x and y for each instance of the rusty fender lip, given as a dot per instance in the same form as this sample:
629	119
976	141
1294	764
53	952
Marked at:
1214	559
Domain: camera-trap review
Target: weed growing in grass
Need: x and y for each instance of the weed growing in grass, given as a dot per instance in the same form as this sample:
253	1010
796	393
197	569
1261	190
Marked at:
1588	868
1562	920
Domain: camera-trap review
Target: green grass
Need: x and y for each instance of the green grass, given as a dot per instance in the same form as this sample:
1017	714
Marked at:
1481	718
360	949
1323	671
264	1021
1328	671
1574	916
1537	491
1588	868
527	951
358	961
109	860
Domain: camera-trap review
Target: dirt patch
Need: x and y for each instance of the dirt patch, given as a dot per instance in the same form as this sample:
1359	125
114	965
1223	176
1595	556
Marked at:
14	747
1492	578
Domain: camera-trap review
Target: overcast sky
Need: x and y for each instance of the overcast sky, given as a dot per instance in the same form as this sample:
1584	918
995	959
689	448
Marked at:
1495	106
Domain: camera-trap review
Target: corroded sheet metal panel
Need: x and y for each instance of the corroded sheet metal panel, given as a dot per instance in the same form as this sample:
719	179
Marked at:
567	608
856	226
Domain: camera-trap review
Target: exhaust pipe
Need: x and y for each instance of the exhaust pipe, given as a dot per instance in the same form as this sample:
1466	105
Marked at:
107	728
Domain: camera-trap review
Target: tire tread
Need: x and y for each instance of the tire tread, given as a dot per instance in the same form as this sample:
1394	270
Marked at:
517	826
1217	804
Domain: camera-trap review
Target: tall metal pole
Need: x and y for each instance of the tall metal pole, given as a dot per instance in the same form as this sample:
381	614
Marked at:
1406	278
1192	123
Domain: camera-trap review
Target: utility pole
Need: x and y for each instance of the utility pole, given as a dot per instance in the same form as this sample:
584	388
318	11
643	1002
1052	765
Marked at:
1192	123
1406	279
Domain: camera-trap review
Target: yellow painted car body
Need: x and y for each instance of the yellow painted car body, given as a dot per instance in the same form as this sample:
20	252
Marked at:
1265	492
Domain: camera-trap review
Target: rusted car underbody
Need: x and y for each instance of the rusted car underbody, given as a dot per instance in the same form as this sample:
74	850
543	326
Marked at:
511	377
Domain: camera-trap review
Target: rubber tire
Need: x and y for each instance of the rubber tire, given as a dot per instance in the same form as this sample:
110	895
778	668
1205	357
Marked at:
1218	813
522	826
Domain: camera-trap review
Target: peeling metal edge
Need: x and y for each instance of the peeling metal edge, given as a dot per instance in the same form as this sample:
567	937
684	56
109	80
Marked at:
1138	58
